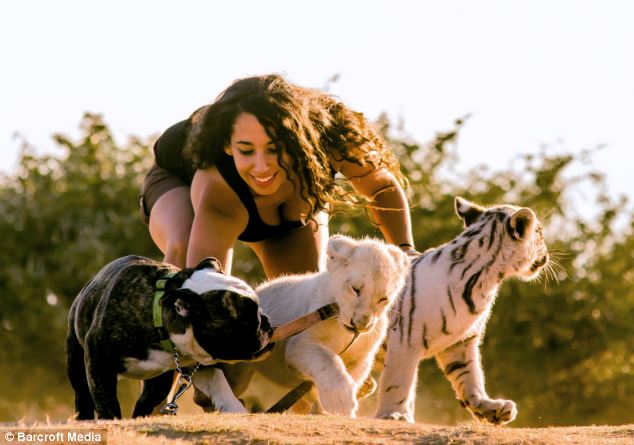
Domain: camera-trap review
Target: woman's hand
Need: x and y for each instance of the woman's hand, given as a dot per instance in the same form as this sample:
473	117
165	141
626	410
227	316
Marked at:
409	249
389	204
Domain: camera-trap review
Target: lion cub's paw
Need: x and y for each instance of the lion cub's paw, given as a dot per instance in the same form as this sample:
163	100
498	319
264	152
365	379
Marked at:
495	411
339	398
396	416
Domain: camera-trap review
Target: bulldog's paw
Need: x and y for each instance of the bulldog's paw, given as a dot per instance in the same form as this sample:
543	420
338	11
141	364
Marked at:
495	411
230	407
339	398
403	417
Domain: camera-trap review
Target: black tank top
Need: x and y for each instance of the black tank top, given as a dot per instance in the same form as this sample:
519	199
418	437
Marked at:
168	151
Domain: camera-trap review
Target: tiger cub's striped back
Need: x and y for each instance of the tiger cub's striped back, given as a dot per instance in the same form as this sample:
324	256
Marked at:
443	310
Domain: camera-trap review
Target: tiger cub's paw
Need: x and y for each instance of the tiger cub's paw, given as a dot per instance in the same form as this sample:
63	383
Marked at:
495	411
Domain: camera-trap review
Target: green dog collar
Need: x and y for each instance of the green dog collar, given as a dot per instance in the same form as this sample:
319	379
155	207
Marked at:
157	313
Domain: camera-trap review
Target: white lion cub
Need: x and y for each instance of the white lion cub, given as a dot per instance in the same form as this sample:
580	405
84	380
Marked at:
364	278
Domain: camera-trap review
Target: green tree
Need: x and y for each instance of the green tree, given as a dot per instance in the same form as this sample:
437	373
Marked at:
63	217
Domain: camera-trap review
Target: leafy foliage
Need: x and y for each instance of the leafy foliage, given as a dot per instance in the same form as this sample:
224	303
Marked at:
562	348
62	218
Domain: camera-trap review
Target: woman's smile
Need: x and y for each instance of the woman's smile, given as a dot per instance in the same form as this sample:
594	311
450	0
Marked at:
264	180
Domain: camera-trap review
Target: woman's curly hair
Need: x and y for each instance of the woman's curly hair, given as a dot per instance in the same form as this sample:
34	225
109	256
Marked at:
308	125
347	135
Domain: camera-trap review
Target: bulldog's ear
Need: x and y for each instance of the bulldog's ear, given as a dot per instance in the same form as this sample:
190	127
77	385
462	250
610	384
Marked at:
210	263
182	307
182	299
467	210
339	250
521	223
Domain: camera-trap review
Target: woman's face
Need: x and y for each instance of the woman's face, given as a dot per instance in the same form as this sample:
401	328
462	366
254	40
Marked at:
256	155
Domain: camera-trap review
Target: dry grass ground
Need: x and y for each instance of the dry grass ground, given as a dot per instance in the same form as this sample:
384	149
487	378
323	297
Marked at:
309	430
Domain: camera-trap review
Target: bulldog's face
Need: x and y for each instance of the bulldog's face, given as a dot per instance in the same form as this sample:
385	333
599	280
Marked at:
231	326
225	318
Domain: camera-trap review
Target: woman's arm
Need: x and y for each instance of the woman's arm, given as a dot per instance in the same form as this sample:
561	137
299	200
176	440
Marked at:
389	205
217	219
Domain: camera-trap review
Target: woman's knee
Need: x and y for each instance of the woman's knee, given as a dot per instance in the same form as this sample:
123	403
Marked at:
176	242
170	225
176	249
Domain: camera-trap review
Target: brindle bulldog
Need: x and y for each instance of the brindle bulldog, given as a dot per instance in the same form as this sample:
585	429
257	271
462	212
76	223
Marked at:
209	317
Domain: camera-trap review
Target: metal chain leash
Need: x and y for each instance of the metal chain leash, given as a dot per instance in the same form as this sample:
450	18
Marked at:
185	382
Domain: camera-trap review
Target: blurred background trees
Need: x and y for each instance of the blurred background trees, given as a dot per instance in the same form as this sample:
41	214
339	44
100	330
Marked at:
561	348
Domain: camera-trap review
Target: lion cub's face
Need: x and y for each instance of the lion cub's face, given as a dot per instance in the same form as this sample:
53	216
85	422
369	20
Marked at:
366	275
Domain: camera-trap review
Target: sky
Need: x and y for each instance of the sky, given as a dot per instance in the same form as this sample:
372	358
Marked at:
555	73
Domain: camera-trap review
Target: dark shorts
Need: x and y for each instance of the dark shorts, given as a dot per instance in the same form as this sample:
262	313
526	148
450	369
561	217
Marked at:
157	182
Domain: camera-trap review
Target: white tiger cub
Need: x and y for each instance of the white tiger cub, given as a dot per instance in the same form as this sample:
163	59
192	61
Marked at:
444	308
363	277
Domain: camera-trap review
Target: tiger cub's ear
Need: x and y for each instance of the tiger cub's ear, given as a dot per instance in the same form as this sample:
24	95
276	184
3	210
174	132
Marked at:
521	223
467	210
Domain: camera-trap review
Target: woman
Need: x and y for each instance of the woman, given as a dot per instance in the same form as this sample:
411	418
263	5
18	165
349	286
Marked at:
258	165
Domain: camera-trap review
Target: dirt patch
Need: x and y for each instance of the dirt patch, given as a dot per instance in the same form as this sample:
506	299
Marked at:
284	429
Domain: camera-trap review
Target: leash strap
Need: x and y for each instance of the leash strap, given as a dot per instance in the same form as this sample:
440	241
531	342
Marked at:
291	397
157	313
302	323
